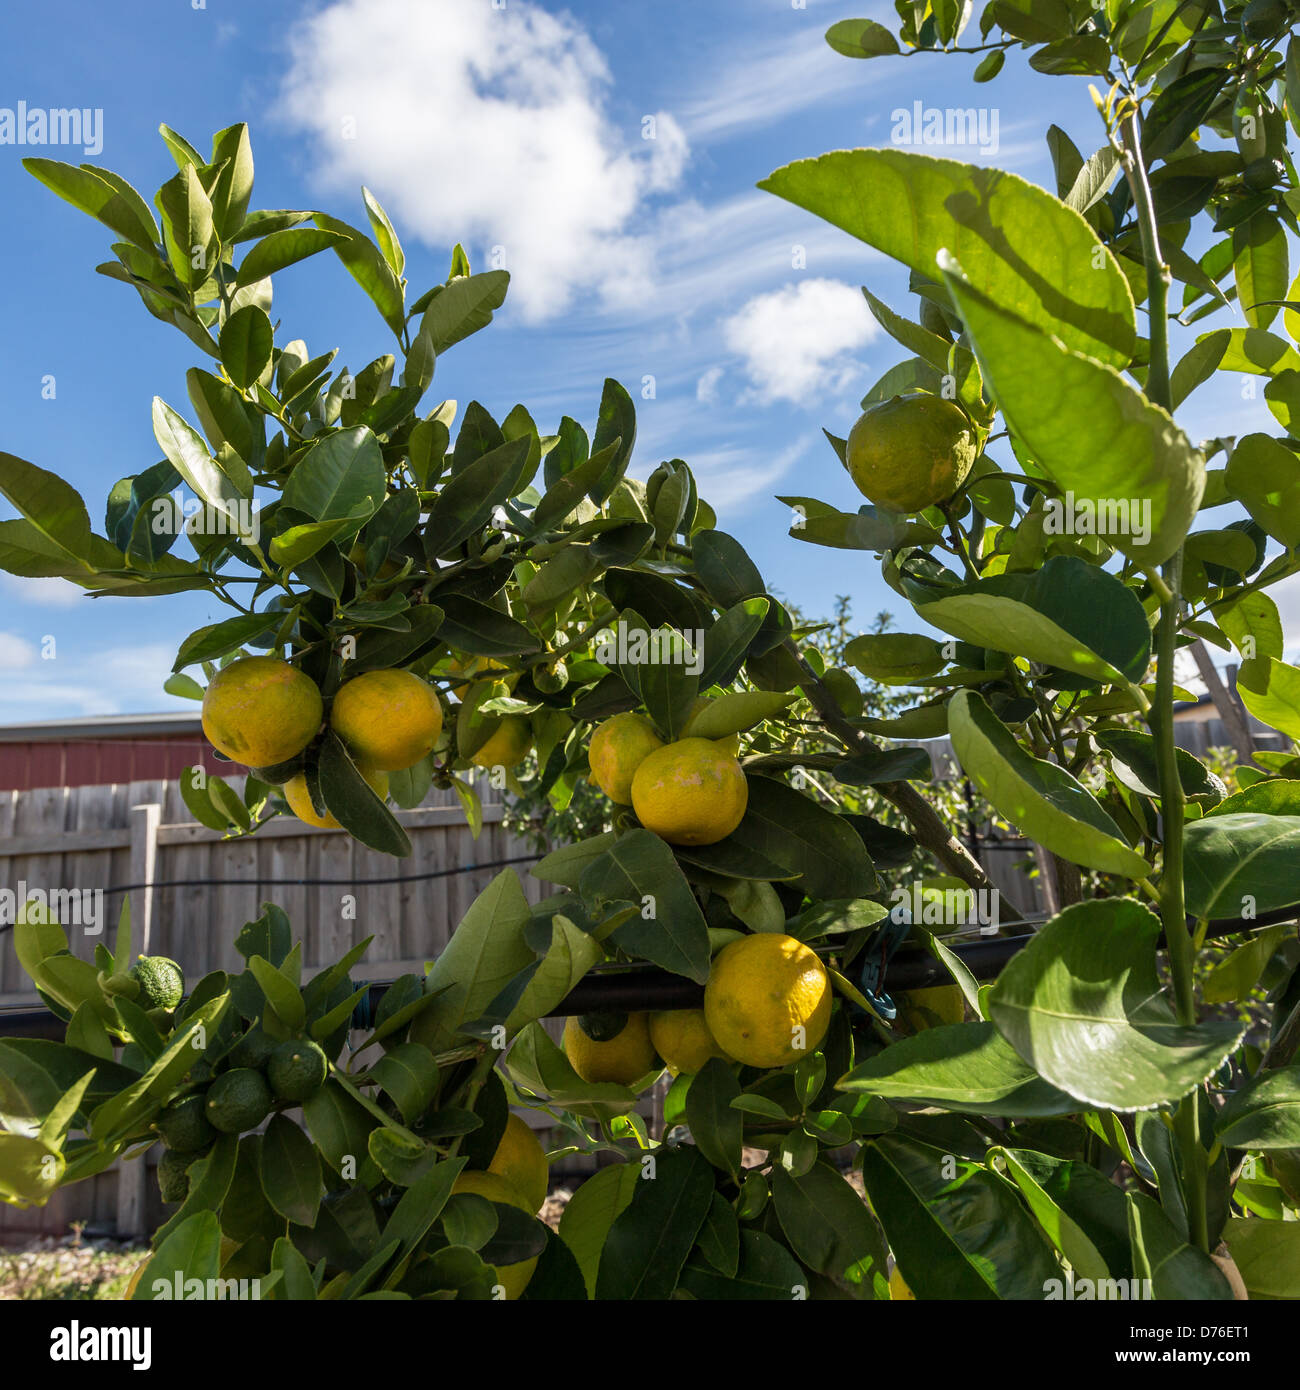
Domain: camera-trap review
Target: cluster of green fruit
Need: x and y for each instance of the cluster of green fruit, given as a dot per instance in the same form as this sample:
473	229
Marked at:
257	1076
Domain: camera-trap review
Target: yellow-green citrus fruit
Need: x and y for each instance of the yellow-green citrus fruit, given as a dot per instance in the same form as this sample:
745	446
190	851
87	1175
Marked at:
929	1008
682	1038
299	798
260	711
690	792
909	452
238	1100
623	1059
388	719
898	1288
618	747
173	1175
521	1161
508	745
768	1000
513	1278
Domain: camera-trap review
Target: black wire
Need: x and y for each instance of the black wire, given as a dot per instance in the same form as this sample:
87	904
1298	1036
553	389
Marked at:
257	882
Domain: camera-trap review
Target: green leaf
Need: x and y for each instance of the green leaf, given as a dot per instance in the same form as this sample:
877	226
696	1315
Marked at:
466	503
1234	977
895	656
1273	695
87	189
409	1075
766	1271
1134	762
338	1124
1018	245
291	1172
296	1281
717	1128
1265	477
1056	1223
188	230
279	249
1247	860
956	1230
219	639
1175	1269
1259	266
639	868
1068	614
368	268
651	1238
53	507
385	235
245	342
827	1224
861	38
1263	1114
352	802
592	1210
1041	798
1267	1255
1088	427
968	1068
191	1250
485	952
189	455
616	431
790	829
571	954
464	306
1083	1005
341	476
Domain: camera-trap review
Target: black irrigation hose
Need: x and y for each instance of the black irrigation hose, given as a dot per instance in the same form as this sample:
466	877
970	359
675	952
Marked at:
633	988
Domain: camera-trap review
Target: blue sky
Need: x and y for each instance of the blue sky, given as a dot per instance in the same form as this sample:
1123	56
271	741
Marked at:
519	128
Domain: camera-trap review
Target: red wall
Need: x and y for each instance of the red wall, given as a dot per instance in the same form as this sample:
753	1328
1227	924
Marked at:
91	762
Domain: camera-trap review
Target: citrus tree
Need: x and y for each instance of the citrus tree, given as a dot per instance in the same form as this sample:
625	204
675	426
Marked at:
429	609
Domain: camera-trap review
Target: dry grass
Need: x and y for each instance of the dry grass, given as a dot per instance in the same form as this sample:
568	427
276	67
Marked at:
67	1267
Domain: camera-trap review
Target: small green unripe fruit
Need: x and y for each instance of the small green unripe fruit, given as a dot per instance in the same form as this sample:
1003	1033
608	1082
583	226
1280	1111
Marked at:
184	1125
173	1175
1261	19
238	1100
297	1069
162	982
1262	174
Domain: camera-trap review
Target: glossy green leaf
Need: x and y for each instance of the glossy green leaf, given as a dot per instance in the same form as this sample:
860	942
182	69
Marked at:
827	1224
669	928
1267	1255
246	341
1273	695
649	1240
1089	428
1083	1005
1241	862
716	1127
1264	1113
1265	477
1041	798
1018	245
464	306
965	1067
341	476
592	1210
956	1230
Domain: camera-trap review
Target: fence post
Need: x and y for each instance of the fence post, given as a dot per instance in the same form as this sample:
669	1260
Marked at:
144	854
132	1177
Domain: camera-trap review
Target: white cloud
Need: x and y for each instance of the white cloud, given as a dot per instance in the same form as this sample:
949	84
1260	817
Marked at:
769	82
15	652
81	681
731	478
796	341
485	125
706	389
53	593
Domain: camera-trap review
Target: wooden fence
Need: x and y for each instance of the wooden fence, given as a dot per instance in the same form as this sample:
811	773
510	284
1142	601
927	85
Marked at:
97	841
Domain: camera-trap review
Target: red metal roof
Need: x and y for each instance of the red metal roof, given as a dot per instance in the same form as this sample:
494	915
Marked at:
92	752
